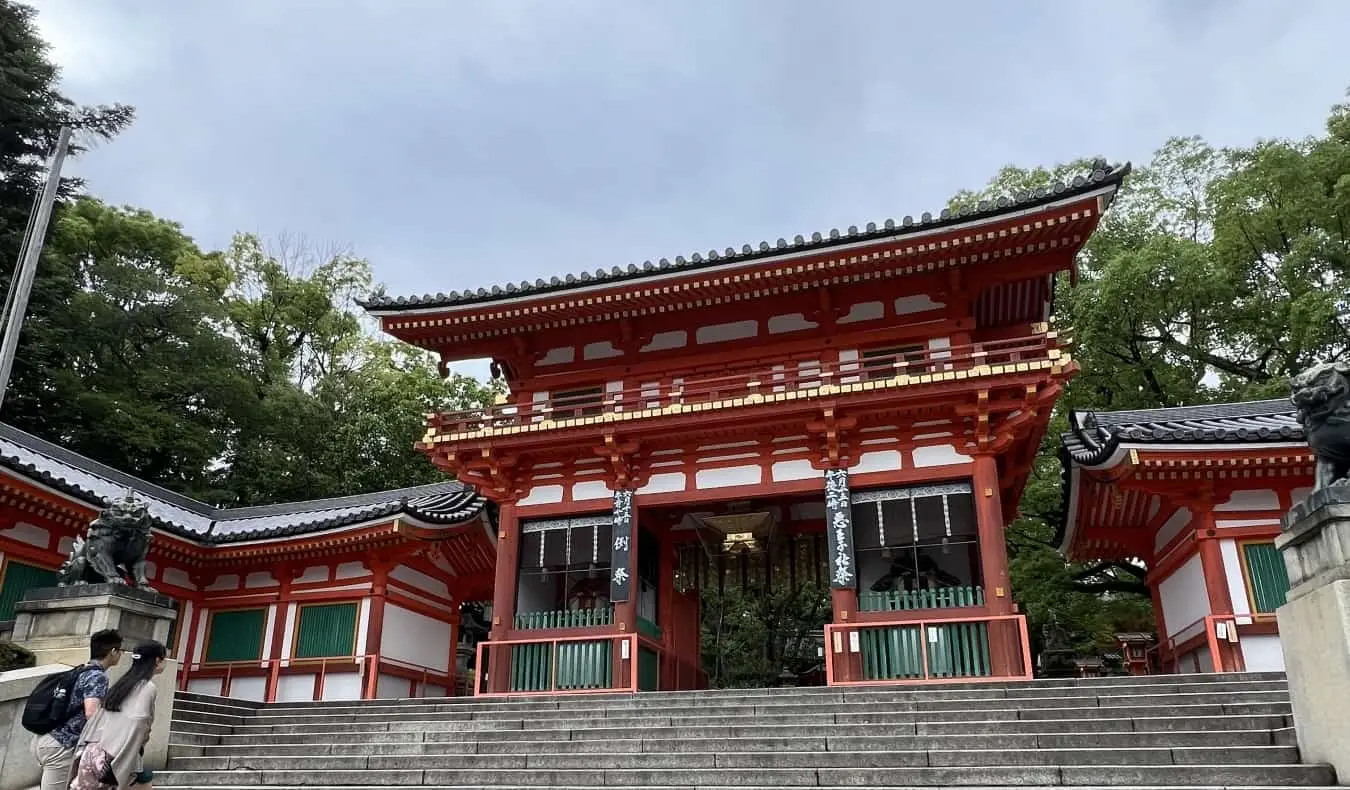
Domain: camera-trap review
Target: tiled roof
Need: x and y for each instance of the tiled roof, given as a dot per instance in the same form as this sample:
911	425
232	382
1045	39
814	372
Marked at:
98	484
1102	175
1094	436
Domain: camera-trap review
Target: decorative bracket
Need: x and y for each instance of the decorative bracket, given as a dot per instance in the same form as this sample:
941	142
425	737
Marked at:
626	472
834	447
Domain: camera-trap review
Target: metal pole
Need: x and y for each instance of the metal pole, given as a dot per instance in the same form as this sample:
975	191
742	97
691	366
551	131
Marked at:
23	276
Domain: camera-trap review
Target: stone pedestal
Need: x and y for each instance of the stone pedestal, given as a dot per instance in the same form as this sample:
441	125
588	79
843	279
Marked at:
55	623
1315	625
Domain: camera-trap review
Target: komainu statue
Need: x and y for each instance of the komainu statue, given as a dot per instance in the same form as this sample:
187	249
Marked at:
114	548
1322	396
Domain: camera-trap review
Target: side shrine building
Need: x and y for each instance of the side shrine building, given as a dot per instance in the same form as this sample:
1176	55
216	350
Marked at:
347	598
859	409
1196	494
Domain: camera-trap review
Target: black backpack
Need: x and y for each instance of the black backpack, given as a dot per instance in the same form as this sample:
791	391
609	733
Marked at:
48	707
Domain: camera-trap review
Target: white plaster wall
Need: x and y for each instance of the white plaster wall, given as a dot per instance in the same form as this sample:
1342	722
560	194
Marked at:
432	690
728	476
800	469
28	533
543	495
415	639
1252	499
254	689
938	455
1171	528
1263	653
722	333
314	573
288	633
295	688
878	461
864	311
603	350
178	578
351	570
793	322
391	687
664	483
559	356
229	581
1184	600
663	341
346	686
591	489
1232	571
269	627
260	579
421	581
917	303
363	629
181	648
209	686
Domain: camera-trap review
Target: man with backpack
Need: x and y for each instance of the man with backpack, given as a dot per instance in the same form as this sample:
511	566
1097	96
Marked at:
60	705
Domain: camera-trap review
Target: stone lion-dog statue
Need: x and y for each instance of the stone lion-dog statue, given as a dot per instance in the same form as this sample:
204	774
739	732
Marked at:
1322	396
114	548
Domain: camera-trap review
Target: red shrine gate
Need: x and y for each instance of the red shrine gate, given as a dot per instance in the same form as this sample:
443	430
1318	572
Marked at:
865	404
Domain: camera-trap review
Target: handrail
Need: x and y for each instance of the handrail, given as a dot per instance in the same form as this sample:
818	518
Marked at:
1209	627
480	666
769	375
843	649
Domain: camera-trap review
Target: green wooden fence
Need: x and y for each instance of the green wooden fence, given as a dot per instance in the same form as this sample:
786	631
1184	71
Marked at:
908	600
565	618
955	650
580	665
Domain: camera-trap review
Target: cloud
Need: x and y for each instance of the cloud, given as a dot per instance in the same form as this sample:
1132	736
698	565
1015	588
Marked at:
464	144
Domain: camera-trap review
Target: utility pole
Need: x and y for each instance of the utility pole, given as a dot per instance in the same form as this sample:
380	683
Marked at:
16	304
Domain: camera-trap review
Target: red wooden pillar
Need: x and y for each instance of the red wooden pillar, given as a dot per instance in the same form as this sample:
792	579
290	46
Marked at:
285	574
1227	655
379	596
503	598
1005	646
199	582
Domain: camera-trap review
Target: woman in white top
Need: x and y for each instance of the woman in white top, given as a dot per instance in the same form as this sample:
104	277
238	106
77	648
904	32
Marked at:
110	747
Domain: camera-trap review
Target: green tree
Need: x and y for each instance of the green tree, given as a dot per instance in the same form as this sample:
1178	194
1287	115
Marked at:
1217	275
32	111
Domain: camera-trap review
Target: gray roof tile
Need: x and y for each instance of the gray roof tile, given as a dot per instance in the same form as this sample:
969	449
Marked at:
1102	174
1094	436
98	484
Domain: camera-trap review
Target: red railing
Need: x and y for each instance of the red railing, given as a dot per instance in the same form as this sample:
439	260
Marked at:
1218	633
767	376
933	650
592	664
368	669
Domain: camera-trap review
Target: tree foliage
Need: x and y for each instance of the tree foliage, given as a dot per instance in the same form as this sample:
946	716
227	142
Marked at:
1218	274
750	636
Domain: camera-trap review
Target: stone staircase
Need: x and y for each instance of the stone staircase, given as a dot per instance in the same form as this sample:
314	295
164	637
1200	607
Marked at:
1173	731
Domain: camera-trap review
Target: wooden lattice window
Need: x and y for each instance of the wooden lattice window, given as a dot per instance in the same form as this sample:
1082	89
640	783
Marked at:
19	578
326	631
1267	579
235	635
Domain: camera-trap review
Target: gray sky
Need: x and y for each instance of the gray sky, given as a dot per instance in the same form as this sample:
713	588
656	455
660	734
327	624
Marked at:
459	144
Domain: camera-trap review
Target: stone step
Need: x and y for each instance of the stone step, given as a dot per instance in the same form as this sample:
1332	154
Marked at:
686	699
666	697
751	717
450	713
1225	775
733	787
466	732
821	743
910	758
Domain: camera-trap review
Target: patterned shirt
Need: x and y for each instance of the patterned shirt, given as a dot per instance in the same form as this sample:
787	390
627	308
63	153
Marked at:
92	684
